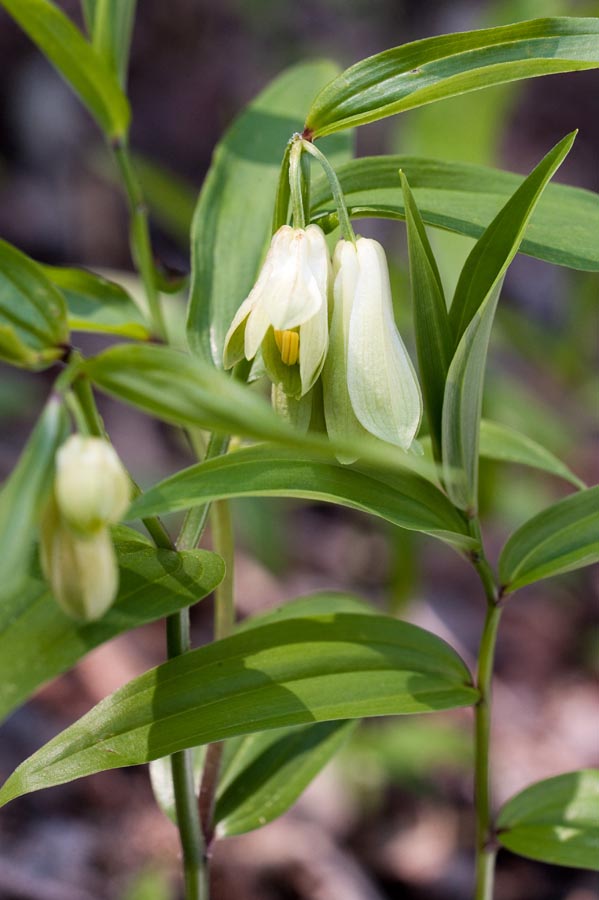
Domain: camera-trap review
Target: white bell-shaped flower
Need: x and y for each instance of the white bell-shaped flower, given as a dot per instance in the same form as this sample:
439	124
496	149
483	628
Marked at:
92	487
286	312
369	381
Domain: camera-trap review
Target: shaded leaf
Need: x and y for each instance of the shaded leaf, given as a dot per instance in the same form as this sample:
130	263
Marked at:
555	821
434	341
97	304
232	223
403	498
76	60
23	495
559	539
297	672
471	317
465	198
38	641
33	315
504	444
428	70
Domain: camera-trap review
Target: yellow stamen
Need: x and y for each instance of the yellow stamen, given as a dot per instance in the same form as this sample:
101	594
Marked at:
288	344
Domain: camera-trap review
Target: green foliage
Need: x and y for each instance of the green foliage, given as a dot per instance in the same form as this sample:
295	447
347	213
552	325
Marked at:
438	67
464	198
82	67
314	669
559	539
555	821
153	583
505	444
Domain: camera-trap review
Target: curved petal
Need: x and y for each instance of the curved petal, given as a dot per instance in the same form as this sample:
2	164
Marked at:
292	294
382	383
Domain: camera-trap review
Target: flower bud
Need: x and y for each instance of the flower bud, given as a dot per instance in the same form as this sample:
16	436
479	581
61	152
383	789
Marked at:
82	572
368	380
286	313
92	487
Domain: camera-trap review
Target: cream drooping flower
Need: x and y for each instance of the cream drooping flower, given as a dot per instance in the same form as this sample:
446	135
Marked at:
286	312
369	382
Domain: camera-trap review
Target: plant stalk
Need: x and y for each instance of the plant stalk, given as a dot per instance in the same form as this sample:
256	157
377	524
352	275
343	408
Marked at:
486	850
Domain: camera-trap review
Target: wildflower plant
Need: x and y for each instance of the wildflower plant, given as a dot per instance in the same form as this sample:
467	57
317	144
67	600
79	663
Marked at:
277	291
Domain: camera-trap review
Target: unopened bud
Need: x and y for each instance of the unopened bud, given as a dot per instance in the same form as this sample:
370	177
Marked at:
92	487
82	572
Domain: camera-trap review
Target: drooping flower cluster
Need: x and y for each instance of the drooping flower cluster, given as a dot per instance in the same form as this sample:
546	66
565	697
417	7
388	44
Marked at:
307	317
91	491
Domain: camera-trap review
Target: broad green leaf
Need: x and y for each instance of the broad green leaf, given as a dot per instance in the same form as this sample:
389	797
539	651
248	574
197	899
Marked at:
33	315
432	69
265	773
434	341
471	317
38	641
111	32
555	821
465	198
184	390
317	604
97	304
403	498
76	60
559	539
493	252
504	444
297	672
23	495
232	223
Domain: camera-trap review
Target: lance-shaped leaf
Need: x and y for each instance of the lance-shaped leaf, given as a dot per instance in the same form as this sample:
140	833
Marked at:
23	495
262	780
316	669
504	444
471	316
438	67
232	223
434	342
97	304
110	26
465	198
76	60
403	498
33	315
38	641
559	539
555	821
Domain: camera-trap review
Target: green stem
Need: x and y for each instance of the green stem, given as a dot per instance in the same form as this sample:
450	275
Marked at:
296	185
485	845
344	221
141	246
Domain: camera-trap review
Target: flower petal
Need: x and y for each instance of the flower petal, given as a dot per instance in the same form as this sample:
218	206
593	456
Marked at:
291	295
382	382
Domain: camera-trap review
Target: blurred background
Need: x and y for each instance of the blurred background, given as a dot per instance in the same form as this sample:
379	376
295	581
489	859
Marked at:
391	817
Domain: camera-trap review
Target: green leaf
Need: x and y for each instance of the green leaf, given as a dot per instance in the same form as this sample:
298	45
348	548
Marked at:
111	32
97	304
471	317
24	493
38	641
504	444
265	773
434	341
432	69
76	60
559	539
33	315
316	669
555	821
403	498
187	391
493	252
465	198
232	223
